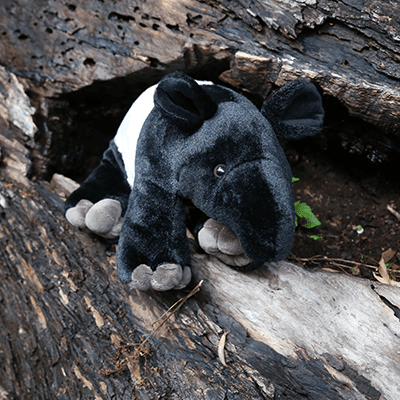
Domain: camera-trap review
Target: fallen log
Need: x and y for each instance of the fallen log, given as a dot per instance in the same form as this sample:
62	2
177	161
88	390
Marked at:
99	56
70	329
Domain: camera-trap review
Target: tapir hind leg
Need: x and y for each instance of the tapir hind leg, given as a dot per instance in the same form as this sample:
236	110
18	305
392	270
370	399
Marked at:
101	201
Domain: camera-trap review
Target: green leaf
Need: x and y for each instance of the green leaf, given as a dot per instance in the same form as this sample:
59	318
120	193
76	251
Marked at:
295	179
389	264
315	237
303	210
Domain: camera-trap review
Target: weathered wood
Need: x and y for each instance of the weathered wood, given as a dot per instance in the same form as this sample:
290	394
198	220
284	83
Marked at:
292	333
114	50
342	321
67	325
69	329
16	122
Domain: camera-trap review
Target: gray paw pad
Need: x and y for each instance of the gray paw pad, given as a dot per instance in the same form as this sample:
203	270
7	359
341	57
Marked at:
141	277
76	215
186	278
220	241
235	261
228	242
166	277
104	216
208	236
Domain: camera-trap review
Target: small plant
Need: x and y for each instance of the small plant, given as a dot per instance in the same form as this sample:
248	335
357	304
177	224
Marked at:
303	210
315	237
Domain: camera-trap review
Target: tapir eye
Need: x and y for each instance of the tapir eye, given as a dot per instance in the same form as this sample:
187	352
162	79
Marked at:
219	170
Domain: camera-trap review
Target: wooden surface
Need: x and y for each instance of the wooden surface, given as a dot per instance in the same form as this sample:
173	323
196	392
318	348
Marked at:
292	333
98	56
68	328
343	321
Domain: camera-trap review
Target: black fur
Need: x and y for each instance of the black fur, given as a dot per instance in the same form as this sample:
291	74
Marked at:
107	181
190	131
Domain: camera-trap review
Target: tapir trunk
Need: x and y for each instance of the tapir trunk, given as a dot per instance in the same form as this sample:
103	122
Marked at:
256	200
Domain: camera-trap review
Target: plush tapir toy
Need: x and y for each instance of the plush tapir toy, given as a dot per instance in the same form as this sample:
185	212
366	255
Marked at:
207	144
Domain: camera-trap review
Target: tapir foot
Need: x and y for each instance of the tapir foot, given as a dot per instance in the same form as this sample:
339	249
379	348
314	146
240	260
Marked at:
102	218
165	277
221	242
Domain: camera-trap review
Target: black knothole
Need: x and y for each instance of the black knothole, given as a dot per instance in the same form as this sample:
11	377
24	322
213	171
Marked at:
114	16
174	28
89	62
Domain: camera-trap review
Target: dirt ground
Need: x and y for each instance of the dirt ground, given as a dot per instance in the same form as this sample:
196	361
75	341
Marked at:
345	194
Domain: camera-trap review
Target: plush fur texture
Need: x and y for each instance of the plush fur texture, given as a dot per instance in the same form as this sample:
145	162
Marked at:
212	146
295	110
107	181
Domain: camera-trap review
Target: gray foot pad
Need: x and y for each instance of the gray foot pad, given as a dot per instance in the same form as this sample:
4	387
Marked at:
76	215
141	277
220	241
165	277
102	218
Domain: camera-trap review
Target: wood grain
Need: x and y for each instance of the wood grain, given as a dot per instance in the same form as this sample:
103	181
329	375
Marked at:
68	328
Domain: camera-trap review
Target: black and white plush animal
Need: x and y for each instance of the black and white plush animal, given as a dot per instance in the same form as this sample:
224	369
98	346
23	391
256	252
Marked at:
184	139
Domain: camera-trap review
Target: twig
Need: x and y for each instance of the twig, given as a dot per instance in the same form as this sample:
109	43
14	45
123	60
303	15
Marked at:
179	304
139	347
336	262
341	266
327	259
221	349
393	211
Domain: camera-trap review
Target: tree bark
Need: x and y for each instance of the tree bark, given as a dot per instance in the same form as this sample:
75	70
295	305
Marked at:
68	328
103	54
71	330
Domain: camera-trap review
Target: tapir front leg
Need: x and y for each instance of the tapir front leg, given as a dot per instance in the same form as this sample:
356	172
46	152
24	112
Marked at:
153	249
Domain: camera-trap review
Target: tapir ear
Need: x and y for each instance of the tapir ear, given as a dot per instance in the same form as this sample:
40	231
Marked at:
183	101
295	110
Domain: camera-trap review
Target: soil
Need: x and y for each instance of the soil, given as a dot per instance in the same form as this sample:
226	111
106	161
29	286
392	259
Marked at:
345	193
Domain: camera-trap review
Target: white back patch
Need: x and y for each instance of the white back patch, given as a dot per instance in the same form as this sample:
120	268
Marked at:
131	126
129	130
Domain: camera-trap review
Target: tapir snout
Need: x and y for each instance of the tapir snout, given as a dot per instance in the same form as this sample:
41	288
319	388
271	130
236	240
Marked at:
256	200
